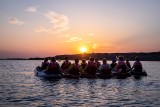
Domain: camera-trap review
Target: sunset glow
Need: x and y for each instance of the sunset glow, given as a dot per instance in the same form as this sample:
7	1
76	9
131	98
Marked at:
48	28
83	49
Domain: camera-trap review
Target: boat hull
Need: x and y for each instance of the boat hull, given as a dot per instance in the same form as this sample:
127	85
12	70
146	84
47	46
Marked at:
41	73
143	73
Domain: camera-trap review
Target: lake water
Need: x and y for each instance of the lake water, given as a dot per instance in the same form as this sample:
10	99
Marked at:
19	87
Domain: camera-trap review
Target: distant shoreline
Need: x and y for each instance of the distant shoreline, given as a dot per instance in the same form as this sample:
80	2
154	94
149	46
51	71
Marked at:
150	56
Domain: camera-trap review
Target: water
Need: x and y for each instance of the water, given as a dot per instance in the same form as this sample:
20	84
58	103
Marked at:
19	87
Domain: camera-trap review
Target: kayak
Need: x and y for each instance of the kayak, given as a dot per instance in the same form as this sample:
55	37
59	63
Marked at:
89	76
120	75
101	76
104	76
69	76
123	75
143	73
41	73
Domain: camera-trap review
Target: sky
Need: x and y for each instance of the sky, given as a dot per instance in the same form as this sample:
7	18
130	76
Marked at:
41	28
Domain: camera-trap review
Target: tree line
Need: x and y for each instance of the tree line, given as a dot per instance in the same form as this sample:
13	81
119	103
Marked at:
150	56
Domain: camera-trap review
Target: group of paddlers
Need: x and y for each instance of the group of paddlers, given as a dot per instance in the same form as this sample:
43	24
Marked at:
90	68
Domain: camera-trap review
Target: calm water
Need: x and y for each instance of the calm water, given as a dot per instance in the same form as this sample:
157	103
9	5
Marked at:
19	87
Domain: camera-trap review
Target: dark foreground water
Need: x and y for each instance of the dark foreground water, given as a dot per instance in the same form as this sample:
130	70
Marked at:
19	87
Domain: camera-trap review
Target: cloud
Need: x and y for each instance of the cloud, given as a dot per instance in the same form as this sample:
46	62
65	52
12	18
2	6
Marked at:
59	20
59	23
73	39
15	21
31	9
51	30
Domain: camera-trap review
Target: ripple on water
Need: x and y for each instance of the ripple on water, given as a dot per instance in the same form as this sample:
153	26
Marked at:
19	87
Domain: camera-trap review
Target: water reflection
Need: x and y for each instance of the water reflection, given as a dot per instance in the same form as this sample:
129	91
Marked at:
20	87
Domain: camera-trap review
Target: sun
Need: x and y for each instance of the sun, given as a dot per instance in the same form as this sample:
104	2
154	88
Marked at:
83	49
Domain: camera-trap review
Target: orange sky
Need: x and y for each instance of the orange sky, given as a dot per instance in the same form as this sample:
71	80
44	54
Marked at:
40	29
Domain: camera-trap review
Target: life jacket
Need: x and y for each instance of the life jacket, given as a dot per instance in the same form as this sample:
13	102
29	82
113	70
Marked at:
44	65
53	68
65	65
83	65
137	67
105	69
92	67
74	70
122	66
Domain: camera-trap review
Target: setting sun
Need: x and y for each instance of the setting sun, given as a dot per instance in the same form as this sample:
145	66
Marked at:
83	49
